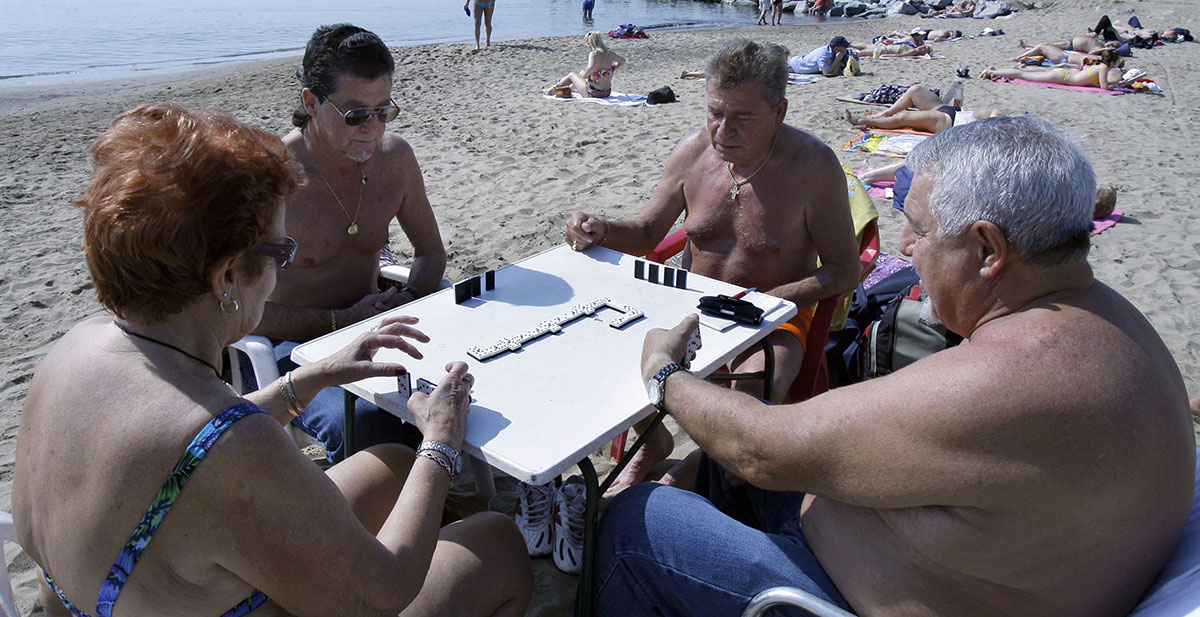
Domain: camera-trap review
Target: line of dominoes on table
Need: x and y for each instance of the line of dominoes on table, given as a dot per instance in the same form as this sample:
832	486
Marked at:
554	324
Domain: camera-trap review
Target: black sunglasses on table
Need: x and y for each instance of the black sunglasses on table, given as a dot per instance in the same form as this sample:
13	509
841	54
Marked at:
355	117
283	252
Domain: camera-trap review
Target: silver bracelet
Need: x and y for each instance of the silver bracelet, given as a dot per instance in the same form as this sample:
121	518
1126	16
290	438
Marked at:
438	446
439	460
289	395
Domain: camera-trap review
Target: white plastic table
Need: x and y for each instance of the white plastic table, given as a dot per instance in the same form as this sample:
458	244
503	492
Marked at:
544	407
537	411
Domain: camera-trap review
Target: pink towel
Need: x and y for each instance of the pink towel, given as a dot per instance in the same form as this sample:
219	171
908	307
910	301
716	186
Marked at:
1092	89
878	189
1100	225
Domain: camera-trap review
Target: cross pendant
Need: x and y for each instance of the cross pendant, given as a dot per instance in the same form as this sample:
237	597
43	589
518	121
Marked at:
733	192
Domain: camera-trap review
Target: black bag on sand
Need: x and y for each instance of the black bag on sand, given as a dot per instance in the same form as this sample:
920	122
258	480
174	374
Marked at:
660	96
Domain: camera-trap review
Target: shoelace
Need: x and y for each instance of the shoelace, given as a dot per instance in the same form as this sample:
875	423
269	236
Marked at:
576	502
537	500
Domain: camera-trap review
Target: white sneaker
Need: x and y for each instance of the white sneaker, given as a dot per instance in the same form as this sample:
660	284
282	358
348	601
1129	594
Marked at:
569	506
533	517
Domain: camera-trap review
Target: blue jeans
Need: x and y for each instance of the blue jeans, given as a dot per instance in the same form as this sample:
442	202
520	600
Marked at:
325	416
666	551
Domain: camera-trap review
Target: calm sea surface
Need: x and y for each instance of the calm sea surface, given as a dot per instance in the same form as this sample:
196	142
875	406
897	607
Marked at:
59	41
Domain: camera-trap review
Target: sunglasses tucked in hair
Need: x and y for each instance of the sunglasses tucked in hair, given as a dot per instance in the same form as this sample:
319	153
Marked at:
355	117
283	252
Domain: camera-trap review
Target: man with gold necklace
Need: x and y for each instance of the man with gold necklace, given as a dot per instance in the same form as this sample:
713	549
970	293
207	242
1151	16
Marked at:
358	178
761	200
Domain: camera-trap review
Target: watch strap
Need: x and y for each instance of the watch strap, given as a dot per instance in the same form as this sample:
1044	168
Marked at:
661	377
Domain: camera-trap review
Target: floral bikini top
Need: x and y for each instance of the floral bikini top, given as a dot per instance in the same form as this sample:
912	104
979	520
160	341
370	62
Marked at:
155	514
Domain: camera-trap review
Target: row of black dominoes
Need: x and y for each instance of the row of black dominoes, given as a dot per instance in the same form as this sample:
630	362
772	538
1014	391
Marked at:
471	288
648	271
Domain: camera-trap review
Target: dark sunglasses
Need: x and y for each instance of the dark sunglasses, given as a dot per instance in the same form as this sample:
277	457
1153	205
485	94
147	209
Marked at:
283	253
355	117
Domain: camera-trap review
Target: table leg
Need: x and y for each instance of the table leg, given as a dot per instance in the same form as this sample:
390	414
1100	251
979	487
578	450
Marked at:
348	426
594	491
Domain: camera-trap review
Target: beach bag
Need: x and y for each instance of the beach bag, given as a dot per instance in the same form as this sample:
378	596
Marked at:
660	96
852	69
900	337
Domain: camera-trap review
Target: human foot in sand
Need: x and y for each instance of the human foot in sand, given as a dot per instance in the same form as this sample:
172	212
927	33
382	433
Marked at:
658	447
855	121
683	473
988	73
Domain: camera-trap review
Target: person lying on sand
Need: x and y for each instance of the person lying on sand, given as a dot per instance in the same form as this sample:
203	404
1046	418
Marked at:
1053	50
1104	75
930	115
939	489
904	49
761	200
966	8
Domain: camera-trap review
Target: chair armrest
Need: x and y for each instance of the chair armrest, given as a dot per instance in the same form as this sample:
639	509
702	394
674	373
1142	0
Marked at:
400	275
790	596
670	246
262	359
8	533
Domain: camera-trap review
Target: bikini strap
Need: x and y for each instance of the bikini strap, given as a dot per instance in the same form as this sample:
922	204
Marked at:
140	539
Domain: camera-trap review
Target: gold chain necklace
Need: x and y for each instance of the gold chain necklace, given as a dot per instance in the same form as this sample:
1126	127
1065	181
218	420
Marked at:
737	185
353	228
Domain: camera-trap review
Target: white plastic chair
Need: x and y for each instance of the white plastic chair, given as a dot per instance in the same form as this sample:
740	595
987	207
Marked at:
8	533
262	354
1176	592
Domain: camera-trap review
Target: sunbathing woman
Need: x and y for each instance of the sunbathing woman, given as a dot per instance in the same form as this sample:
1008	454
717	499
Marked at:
907	45
595	80
930	116
1104	75
966	8
1053	50
937	36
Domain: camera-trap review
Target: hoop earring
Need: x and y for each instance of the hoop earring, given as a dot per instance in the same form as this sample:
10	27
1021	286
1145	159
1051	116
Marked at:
225	309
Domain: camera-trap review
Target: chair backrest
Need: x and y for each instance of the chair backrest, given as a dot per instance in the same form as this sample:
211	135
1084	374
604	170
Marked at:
814	371
8	533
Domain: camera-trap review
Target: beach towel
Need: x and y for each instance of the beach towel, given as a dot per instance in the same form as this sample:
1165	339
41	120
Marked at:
1091	89
848	99
616	98
1100	225
795	79
885	144
896	57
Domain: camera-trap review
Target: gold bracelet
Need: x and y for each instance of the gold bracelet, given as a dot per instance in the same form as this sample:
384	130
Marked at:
289	395
332	320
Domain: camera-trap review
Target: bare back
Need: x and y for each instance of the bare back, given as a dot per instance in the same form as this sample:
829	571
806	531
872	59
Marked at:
1056	487
108	441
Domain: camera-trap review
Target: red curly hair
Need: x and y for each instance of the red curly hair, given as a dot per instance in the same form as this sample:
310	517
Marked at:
175	192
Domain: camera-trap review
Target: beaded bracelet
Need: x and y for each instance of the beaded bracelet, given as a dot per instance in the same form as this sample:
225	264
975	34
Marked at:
332	320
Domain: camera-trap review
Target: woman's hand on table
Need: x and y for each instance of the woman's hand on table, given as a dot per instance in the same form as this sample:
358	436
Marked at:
442	416
356	360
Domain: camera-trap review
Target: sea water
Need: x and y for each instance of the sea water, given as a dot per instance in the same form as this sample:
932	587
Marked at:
61	41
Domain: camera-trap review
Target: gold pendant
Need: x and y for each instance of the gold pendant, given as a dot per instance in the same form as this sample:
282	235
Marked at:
733	192
352	229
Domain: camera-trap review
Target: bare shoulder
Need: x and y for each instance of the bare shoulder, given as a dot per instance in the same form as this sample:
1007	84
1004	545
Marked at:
805	148
395	149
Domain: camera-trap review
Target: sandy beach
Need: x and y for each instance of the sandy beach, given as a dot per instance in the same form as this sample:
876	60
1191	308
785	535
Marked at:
505	167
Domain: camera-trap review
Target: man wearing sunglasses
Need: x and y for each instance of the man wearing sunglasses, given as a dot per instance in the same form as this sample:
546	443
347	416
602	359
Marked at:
358	178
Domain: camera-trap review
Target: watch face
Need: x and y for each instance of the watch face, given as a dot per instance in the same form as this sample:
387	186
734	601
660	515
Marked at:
654	391
458	464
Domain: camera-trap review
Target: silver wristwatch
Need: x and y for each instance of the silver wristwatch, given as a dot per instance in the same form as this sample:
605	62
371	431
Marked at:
656	388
